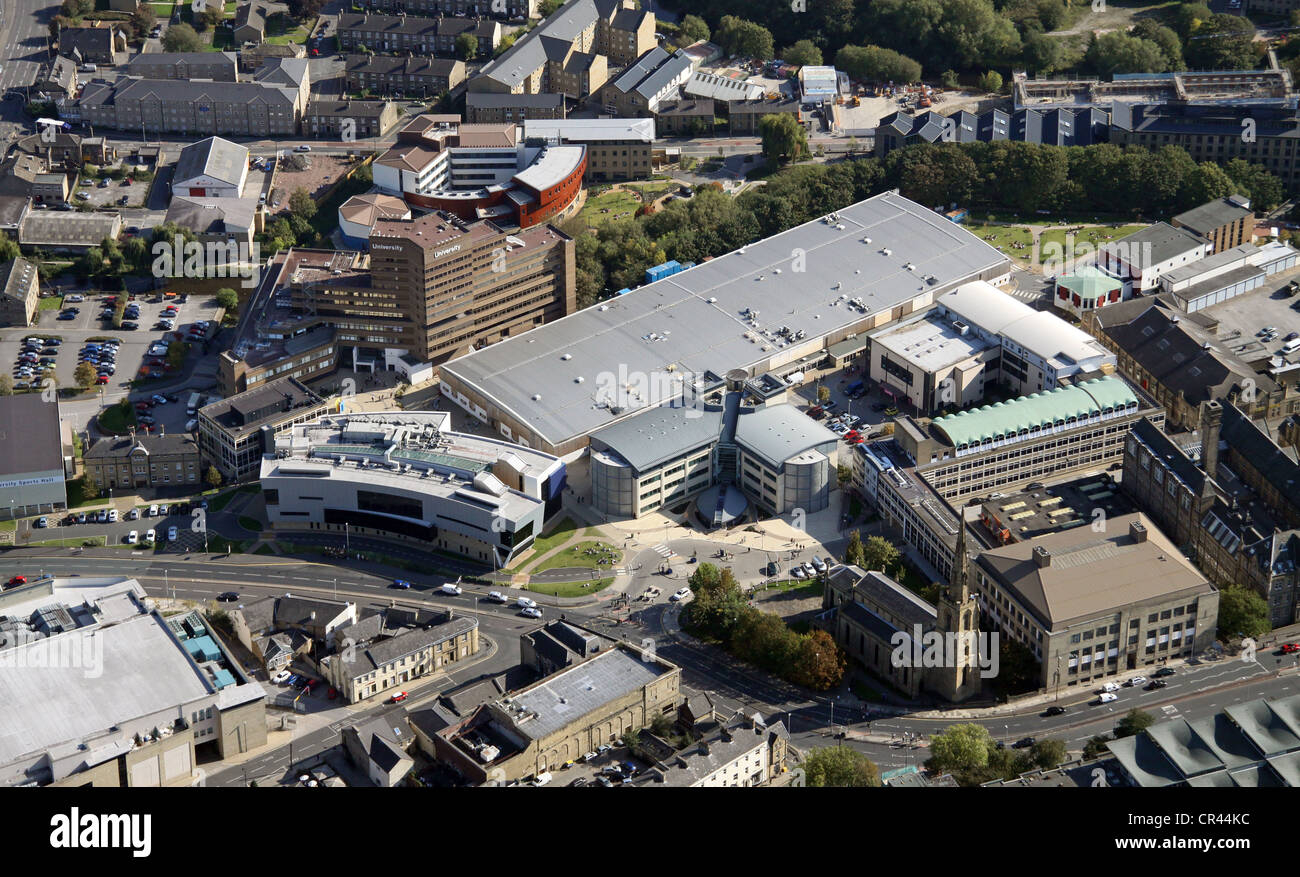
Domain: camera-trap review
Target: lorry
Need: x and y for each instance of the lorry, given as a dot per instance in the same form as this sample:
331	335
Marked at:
192	405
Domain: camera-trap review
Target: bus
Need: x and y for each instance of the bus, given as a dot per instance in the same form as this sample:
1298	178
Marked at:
192	405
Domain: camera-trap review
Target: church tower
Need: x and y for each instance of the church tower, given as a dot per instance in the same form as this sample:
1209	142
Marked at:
958	623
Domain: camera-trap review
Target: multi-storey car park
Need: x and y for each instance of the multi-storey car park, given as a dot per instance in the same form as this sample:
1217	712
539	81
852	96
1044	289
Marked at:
406	476
773	306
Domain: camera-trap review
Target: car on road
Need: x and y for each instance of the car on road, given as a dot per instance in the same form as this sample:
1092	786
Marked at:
1053	711
1290	648
1107	697
399	697
1110	686
133	537
228	596
282	676
1156	684
1024	743
530	613
1163	671
680	594
497	597
302	147
401	584
452	589
172	533
526	603
1135	682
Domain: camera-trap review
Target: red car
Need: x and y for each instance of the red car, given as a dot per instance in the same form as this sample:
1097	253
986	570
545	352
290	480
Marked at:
398	698
22	580
1290	648
102	379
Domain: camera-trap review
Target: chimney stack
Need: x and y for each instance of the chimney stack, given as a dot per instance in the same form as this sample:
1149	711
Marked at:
1211	421
1137	531
1042	557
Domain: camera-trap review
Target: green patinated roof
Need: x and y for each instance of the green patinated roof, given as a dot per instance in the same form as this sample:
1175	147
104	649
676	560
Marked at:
1041	409
1089	282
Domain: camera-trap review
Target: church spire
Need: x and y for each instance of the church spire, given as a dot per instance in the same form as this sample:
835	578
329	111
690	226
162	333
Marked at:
957	583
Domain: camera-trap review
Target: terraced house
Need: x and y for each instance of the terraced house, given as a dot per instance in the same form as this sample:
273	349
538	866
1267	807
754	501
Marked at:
506	10
392	75
220	66
248	109
408	33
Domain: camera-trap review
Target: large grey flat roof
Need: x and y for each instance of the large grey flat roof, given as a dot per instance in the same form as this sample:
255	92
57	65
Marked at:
144	672
575	692
29	435
661	434
779	432
692	320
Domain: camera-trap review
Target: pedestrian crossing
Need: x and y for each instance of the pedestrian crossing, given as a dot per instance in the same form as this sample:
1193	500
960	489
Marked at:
663	550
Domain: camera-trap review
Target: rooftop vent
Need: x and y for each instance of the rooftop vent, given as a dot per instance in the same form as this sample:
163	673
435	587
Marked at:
566	357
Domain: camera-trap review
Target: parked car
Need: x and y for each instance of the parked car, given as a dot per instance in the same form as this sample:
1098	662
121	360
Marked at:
282	676
133	515
151	535
15	581
172	533
112	516
133	537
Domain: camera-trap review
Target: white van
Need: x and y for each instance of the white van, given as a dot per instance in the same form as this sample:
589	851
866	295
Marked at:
1291	346
1107	697
190	424
1110	686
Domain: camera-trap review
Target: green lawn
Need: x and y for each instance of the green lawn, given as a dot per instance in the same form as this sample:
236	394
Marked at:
113	420
10	525
1093	237
1001	235
571	589
608	206
813	588
575	556
71	543
51	303
562	532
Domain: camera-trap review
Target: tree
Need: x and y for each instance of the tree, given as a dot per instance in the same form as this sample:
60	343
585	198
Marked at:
1096	747
142	21
301	203
843	474
1119	52
84	375
1170	45
227	298
819	663
876	64
8	248
823	394
693	29
853	554
1256	182
1189	18
1135	722
548	7
784	139
1047	754
89	486
1242	612
77	8
182	38
879	554
802	53
212	477
960	747
1224	42
840	767
466	46
741	37
990	81
933	173
212	16
1207	183
1042	54
949	79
